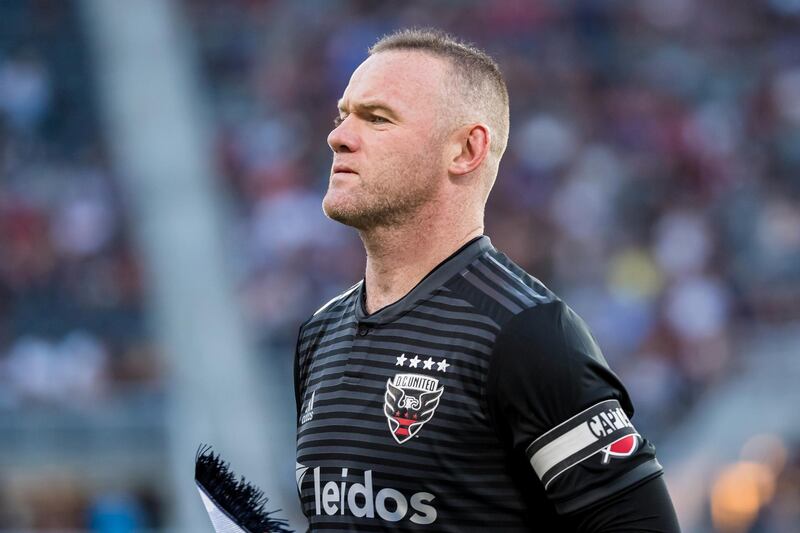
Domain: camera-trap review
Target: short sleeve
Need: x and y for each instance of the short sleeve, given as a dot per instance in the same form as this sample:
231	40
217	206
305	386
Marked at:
553	398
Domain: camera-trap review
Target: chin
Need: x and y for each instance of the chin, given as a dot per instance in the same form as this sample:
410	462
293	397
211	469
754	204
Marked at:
362	212
349	215
335	207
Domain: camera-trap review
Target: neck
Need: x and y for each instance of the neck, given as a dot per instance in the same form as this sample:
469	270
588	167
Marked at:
398	257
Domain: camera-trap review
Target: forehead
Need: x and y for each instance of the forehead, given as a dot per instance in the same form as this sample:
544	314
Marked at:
408	81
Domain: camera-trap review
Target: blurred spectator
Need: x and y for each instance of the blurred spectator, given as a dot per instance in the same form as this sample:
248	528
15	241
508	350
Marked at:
25	91
116	512
72	335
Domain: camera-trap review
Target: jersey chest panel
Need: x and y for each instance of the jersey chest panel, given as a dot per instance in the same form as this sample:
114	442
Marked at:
393	429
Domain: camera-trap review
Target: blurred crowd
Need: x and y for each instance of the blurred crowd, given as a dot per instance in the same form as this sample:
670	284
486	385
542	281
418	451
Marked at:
652	179
72	330
71	297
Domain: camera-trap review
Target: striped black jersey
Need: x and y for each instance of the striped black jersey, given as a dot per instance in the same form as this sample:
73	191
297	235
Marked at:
477	400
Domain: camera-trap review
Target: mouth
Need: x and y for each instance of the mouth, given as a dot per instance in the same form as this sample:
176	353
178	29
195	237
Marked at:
342	169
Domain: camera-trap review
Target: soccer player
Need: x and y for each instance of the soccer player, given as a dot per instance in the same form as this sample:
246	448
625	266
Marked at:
450	390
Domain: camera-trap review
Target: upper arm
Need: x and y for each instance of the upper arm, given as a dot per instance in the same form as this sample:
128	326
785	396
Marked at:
645	507
553	398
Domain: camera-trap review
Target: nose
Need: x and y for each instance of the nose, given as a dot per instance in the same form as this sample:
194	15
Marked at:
343	138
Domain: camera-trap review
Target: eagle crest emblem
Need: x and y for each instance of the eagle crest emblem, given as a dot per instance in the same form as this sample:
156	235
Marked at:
410	401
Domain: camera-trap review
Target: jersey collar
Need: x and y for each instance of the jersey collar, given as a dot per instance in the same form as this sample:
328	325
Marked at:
445	270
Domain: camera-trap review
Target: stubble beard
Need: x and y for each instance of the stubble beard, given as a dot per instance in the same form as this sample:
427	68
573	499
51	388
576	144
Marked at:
383	203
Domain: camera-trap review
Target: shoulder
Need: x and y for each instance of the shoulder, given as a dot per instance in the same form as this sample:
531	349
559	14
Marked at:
548	329
547	364
341	297
520	304
547	348
506	282
544	355
332	308
540	339
499	288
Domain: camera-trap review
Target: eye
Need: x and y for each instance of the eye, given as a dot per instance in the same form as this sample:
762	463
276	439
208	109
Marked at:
375	119
337	120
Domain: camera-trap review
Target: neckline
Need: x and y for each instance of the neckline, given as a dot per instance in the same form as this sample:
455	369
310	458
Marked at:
445	270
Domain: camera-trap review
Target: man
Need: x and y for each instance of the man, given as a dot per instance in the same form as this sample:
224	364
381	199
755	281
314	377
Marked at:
450	390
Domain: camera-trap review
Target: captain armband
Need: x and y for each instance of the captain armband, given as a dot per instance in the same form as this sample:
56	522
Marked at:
602	429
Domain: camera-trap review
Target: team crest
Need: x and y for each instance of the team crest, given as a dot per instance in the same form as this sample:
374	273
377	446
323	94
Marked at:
410	401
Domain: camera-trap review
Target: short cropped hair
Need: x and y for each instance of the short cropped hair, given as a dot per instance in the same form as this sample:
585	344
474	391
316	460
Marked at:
481	85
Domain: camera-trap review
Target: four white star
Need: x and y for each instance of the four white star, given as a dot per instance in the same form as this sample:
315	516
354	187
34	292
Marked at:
427	364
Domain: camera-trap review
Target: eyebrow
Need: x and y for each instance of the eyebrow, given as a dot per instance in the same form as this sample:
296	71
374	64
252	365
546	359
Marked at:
370	106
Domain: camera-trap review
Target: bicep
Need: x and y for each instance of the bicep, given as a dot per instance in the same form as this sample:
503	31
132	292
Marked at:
554	400
646	507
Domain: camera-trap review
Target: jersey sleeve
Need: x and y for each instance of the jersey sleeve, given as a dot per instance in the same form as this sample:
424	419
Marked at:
553	398
644	507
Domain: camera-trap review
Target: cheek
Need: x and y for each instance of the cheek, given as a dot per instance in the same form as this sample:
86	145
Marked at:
401	161
410	150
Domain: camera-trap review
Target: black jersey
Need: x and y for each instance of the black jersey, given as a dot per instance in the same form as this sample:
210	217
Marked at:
477	400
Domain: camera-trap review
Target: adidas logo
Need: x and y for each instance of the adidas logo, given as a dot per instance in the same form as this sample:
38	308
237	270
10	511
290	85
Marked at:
308	413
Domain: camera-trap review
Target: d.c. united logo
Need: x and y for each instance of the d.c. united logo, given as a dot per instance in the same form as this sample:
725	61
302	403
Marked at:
410	401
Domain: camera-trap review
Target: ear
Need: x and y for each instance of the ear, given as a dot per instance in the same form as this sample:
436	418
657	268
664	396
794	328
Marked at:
470	146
